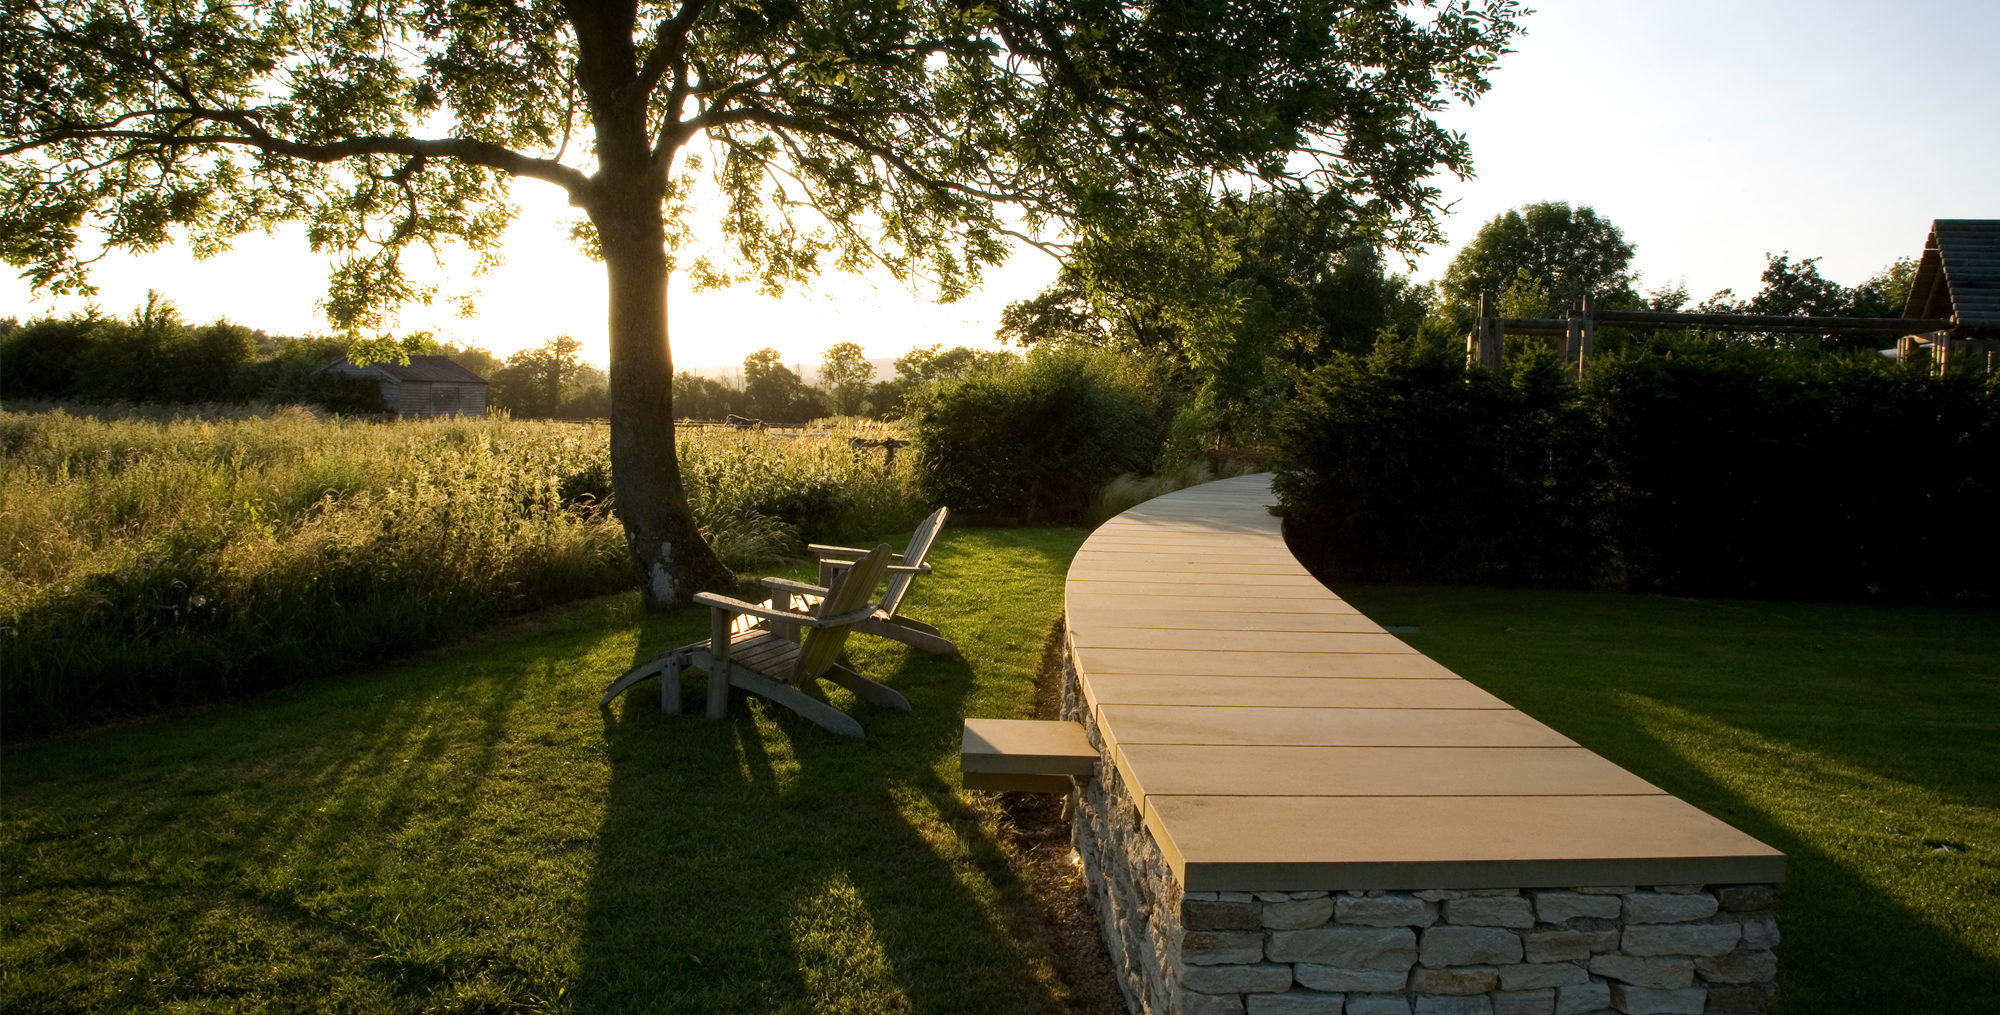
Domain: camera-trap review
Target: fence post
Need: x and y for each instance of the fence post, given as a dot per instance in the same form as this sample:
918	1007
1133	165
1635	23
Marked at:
1587	341
1473	356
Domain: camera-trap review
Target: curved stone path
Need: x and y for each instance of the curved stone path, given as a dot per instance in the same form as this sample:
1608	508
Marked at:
1275	739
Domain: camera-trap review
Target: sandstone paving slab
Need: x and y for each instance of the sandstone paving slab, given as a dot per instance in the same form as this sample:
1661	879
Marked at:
1377	642
1090	616
1308	692
1325	727
1217	558
1279	740
1407	663
1237	843
1226	579
1141	597
1230	770
1183	547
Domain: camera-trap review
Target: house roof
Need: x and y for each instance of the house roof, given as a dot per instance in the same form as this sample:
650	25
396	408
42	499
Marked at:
420	368
1959	275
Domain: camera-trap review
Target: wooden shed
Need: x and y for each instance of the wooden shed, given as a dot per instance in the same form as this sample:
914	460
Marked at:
425	386
1958	279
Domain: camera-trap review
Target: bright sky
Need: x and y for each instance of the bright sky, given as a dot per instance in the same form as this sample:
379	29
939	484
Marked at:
1709	131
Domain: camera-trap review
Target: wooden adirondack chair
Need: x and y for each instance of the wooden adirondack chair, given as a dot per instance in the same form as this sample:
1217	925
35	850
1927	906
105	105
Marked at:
767	658
884	622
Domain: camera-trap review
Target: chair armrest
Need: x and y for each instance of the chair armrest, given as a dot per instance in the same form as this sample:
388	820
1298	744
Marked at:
726	604
795	588
821	550
891	569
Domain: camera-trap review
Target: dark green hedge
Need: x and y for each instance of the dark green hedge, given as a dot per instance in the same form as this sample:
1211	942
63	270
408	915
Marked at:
1716	469
1402	466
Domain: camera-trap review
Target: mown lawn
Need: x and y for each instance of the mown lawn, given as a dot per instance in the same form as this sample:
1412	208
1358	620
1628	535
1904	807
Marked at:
468	831
1863	741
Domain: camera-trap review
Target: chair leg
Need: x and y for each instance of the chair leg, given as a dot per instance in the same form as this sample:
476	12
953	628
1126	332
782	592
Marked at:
914	633
718	687
819	712
670	687
867	690
633	676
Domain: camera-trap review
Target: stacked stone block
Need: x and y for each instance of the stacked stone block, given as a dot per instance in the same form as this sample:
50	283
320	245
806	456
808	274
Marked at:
1636	950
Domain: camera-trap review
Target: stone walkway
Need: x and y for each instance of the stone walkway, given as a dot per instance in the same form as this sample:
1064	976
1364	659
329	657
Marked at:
1274	738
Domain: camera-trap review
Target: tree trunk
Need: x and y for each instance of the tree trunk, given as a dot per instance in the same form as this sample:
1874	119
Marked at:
668	555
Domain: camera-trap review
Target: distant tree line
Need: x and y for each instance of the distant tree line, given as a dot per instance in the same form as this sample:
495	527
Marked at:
153	356
777	394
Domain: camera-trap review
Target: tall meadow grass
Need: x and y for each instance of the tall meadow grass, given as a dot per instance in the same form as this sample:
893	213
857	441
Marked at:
147	562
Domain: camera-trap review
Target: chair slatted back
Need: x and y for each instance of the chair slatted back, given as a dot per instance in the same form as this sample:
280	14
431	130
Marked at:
920	544
848	593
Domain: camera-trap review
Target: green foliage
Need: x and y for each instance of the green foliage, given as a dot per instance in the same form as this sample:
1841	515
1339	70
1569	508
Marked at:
1238	275
1719	469
775	393
1233	290
550	380
844	376
149	563
705	398
1031	442
1565	253
153	357
468	832
874	133
1405	465
1747	471
1796	289
1130	490
1857	739
39	360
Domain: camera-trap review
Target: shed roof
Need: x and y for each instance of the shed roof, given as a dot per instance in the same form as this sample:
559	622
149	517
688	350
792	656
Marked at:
420	368
1959	275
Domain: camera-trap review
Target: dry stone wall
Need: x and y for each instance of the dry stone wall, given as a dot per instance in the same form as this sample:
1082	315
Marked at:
1633	949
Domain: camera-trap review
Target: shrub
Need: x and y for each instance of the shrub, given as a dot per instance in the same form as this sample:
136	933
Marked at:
1739	470
39	360
1405	466
1716	469
1030	441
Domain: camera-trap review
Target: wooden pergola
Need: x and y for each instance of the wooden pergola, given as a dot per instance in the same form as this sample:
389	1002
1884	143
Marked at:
1958	278
1953	309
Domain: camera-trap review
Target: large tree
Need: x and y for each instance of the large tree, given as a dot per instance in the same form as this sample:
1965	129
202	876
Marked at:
844	373
1566	253
858	131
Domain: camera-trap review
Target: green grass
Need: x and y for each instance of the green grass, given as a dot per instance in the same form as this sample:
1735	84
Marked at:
467	831
1860	740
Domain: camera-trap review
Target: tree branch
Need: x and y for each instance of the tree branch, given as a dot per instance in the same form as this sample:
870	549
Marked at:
252	135
669	44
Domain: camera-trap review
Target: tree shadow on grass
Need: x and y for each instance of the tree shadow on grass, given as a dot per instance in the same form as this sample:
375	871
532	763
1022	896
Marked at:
1817	737
760	863
312	843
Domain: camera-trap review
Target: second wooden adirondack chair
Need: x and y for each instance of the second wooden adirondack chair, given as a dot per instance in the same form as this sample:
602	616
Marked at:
885	622
765	658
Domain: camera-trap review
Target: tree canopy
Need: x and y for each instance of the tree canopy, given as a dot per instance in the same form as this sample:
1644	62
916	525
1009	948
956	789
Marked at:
840	133
1565	253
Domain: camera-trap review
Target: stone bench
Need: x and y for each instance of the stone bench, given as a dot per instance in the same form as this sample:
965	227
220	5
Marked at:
1295	812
